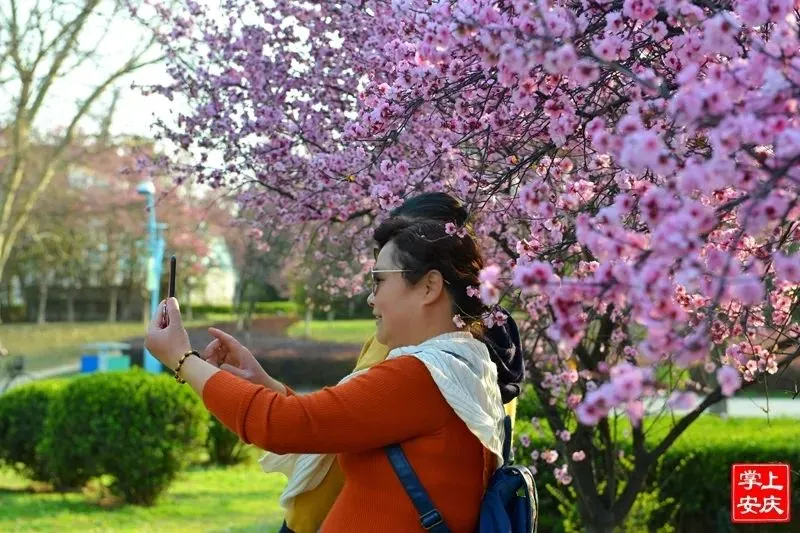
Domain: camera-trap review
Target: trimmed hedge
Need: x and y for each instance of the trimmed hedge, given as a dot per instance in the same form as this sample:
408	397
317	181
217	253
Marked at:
694	472
13	313
23	412
223	445
139	428
710	448
277	308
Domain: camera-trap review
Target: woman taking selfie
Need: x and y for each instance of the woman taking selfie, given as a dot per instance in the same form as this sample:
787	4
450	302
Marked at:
436	394
315	480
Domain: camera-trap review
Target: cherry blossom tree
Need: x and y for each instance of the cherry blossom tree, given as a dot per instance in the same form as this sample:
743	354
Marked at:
632	168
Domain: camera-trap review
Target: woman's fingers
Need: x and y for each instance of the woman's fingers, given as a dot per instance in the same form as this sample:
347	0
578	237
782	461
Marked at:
224	338
174	312
235	370
214	352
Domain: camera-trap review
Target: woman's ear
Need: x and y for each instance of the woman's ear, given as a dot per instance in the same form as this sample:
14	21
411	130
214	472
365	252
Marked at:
434	285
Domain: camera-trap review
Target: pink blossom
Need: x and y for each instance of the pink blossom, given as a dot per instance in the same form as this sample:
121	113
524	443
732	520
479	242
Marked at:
562	476
682	400
748	289
787	267
578	456
641	150
584	72
573	401
489	278
533	275
635	412
729	380
752	12
550	456
640	9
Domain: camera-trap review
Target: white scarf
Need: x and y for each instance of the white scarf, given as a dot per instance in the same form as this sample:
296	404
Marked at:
467	379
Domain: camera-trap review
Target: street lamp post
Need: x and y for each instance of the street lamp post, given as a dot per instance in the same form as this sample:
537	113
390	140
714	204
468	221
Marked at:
156	256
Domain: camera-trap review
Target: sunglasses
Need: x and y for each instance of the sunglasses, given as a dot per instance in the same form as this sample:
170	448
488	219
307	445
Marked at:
374	280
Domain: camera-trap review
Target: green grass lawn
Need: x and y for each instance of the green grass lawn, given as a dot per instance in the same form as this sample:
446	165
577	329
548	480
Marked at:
344	331
50	345
235	499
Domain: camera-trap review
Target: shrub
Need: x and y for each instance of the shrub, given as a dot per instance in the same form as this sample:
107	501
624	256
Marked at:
207	309
703	487
276	308
690	487
528	405
223	445
138	428
23	412
13	313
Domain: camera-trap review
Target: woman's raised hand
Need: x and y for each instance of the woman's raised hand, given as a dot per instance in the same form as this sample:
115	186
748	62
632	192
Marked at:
228	354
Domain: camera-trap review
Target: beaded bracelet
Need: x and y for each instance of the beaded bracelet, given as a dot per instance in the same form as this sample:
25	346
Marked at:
180	364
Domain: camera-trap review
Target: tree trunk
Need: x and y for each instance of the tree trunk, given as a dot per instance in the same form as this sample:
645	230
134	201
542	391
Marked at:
239	301
597	520
41	316
598	528
308	317
70	307
112	304
188	310
248	320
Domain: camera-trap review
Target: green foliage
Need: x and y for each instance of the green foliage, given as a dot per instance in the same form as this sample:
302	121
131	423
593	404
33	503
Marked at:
528	404
138	428
277	308
23	412
13	313
342	331
703	487
689	489
223	445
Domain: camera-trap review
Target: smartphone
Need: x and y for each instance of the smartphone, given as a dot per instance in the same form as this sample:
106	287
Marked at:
170	291
172	265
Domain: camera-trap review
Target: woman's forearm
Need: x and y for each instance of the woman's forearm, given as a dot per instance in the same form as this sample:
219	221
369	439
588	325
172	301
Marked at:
196	372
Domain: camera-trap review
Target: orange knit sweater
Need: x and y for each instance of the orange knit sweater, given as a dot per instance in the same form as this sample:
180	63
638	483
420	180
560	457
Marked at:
395	401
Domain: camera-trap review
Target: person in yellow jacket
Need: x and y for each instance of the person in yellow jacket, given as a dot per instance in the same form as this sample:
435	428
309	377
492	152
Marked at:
308	510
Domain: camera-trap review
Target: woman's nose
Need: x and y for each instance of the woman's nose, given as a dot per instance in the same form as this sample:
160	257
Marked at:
371	299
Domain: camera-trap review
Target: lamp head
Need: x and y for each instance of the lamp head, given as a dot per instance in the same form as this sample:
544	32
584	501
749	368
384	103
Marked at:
146	188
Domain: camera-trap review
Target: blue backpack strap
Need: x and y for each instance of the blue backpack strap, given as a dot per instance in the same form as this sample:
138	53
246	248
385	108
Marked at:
430	517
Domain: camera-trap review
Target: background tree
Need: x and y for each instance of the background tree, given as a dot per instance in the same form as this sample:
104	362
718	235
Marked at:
46	44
